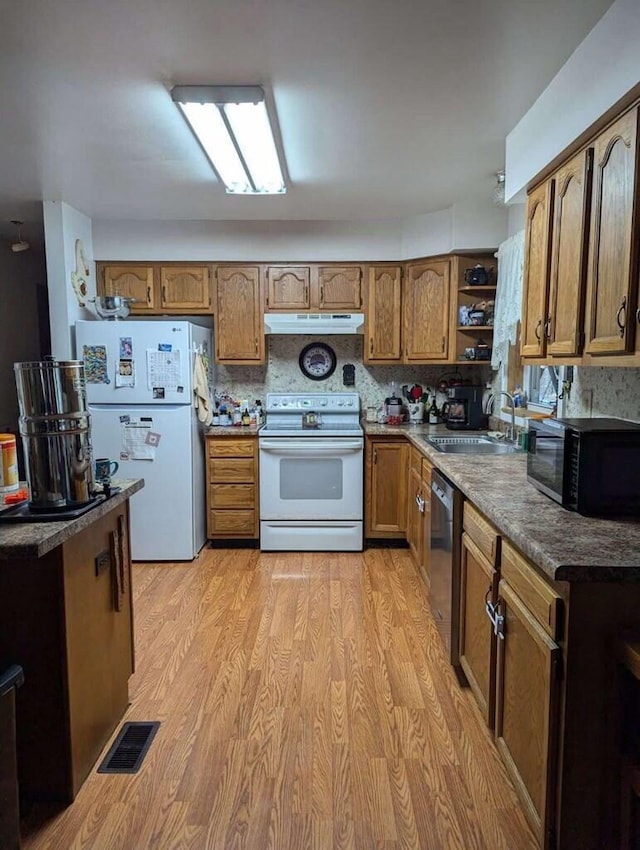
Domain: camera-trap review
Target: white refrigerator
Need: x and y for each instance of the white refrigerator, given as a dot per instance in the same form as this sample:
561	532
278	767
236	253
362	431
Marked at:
140	396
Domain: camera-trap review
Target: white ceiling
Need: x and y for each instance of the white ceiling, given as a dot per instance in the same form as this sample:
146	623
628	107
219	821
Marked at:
386	108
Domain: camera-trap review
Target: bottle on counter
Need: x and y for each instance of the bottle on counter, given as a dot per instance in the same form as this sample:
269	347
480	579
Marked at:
434	413
237	415
259	412
246	418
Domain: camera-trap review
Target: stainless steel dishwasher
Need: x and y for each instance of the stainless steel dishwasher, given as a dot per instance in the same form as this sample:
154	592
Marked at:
444	549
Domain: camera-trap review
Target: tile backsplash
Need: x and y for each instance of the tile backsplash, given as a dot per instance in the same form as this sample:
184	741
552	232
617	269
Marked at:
282	373
605	391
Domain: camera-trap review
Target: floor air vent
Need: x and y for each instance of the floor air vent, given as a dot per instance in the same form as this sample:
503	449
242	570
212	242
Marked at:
129	749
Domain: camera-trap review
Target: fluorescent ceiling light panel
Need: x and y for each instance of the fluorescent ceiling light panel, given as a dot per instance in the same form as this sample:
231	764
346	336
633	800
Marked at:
250	125
208	125
232	125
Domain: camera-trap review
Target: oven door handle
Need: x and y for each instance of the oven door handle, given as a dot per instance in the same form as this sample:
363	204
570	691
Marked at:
325	445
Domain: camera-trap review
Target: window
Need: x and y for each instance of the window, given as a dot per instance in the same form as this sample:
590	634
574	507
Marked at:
541	385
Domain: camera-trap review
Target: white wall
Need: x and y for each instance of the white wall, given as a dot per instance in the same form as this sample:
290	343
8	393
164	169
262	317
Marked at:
478	225
599	72
459	227
245	240
20	275
515	220
63	225
422	235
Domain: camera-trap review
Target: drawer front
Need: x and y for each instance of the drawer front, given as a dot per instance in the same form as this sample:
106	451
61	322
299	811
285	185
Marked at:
220	447
543	602
232	523
480	530
233	495
232	469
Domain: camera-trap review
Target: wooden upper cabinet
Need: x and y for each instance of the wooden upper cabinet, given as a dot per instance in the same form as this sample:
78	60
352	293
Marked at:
536	269
238	320
340	288
383	315
185	287
612	266
130	281
568	256
426	311
288	288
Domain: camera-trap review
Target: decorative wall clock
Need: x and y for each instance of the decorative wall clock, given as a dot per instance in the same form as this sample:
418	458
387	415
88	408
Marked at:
317	361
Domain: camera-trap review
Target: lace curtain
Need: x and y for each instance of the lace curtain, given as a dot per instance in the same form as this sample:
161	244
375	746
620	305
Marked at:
508	297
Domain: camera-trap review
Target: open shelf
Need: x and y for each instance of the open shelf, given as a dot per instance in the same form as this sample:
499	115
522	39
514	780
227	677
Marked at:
474	328
487	288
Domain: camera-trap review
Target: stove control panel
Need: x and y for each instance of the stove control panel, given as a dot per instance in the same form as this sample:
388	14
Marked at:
341	402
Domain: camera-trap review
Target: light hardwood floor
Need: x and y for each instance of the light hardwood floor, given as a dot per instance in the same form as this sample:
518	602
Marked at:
305	702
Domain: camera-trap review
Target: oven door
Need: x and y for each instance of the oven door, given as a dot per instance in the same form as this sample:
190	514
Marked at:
311	478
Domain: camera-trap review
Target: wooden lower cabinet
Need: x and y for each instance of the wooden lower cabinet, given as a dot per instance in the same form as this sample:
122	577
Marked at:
527	710
529	680
386	469
479	557
415	506
68	621
232	487
478	585
424	563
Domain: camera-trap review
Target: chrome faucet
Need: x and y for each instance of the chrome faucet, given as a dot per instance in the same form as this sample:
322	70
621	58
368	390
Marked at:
511	430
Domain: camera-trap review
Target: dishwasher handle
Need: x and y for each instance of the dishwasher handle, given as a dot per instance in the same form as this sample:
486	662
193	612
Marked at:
442	495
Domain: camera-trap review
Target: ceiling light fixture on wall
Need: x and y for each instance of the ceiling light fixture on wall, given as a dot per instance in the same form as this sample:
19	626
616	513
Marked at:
232	125
19	244
498	192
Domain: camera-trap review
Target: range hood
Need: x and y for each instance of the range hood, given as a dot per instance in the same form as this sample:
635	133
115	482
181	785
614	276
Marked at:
315	324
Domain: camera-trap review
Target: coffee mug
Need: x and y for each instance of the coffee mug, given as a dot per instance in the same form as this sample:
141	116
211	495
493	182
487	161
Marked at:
104	469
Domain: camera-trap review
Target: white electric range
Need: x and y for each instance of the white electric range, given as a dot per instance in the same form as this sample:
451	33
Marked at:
311	472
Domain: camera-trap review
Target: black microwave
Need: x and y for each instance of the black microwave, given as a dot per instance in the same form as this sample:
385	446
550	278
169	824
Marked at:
587	465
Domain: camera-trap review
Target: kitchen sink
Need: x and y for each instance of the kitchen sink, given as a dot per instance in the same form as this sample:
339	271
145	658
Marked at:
478	444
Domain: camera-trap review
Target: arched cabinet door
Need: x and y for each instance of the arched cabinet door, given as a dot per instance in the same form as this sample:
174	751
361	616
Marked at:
612	265
238	319
536	270
569	243
427	301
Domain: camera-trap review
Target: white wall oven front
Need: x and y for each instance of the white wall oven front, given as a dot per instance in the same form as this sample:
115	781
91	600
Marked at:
311	493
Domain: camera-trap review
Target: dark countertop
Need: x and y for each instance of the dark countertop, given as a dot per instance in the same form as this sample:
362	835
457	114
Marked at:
564	545
35	539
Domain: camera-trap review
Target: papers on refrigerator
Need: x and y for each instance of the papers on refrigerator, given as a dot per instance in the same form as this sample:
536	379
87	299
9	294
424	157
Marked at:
139	440
164	369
